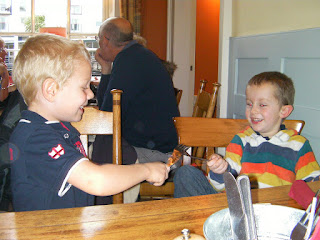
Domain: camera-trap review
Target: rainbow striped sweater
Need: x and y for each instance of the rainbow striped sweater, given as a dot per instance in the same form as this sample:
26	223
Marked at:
278	161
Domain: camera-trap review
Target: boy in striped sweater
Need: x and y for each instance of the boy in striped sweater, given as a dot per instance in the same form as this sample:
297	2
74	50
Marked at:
266	151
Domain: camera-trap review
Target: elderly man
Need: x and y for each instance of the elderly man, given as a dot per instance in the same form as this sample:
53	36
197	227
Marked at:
148	99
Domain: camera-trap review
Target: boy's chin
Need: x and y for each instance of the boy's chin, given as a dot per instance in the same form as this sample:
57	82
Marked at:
77	119
255	127
78	116
74	118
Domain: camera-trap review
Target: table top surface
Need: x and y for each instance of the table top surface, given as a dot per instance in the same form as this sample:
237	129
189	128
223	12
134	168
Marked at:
159	219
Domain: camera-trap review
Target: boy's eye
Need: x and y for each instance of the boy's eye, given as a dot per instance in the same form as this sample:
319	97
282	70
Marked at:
263	105
249	104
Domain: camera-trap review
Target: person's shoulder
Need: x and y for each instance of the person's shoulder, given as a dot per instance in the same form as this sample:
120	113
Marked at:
293	135
298	138
31	125
247	131
135	50
136	57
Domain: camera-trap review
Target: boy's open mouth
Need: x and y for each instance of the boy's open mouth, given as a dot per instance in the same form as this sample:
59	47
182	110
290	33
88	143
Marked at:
256	120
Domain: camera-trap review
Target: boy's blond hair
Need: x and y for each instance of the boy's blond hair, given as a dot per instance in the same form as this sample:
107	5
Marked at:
284	85
46	56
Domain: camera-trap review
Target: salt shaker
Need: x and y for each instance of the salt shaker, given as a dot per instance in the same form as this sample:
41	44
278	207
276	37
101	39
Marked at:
187	235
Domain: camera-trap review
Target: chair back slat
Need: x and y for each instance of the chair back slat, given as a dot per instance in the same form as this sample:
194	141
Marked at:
204	107
96	122
178	96
216	132
210	133
207	132
205	102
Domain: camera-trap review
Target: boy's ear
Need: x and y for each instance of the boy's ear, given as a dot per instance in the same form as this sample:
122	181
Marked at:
286	110
49	89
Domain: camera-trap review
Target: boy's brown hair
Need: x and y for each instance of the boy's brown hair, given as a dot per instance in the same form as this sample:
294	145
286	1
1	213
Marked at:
46	56
284	85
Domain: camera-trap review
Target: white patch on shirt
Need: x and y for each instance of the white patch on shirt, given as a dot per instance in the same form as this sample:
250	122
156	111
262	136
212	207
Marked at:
56	152
25	121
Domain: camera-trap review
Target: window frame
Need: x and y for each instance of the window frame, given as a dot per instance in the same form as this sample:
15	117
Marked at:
110	8
107	10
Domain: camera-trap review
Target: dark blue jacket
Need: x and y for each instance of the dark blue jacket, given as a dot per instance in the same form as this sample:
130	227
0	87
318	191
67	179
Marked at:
148	99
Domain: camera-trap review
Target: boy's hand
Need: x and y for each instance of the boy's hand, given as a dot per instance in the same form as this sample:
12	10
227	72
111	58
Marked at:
158	173
217	164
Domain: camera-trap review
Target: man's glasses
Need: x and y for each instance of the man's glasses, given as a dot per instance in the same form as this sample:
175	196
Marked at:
98	38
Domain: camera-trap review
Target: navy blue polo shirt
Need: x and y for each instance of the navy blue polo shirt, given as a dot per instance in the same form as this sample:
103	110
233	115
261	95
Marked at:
43	155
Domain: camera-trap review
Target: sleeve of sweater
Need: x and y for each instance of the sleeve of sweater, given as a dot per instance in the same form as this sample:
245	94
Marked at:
233	157
307	168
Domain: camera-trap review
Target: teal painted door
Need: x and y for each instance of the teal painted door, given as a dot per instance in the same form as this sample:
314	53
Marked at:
297	54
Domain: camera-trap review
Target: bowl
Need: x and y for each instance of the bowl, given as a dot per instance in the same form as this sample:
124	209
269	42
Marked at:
272	221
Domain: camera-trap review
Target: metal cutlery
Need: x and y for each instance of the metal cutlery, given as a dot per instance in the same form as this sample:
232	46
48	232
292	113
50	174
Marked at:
244	182
242	218
183	150
305	226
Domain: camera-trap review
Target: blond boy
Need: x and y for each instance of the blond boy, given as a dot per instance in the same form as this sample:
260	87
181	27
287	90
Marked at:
49	168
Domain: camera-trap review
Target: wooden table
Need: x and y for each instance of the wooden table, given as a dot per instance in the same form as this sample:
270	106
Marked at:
160	219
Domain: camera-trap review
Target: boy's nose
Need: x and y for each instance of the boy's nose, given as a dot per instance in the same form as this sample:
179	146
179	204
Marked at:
90	94
254	109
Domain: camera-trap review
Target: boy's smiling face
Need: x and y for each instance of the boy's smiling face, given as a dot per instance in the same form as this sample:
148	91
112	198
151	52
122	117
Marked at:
74	95
263	110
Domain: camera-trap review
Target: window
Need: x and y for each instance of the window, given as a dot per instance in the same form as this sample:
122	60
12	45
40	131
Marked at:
18	15
75	26
75	10
2	23
82	22
5	7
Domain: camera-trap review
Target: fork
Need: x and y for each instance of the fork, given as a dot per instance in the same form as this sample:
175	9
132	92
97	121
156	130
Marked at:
183	150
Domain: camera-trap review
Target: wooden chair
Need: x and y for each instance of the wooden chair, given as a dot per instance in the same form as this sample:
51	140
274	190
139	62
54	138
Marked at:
204	132
179	95
96	122
204	107
205	101
215	132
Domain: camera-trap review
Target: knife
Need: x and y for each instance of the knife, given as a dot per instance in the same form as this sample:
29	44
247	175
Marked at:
238	218
244	184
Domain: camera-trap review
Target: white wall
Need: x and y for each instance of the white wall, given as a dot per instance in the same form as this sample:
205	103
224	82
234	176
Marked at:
184	51
252	17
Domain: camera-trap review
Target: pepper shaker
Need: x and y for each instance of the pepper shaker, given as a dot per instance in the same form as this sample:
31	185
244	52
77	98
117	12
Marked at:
186	235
